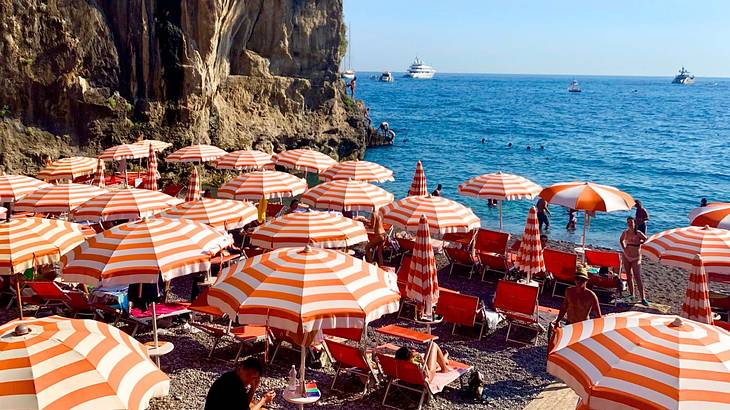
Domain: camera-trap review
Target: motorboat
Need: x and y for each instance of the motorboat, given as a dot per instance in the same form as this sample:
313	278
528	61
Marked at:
386	77
420	70
574	87
348	75
684	77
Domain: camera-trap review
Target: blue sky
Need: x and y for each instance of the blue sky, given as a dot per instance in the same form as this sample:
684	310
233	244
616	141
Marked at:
607	37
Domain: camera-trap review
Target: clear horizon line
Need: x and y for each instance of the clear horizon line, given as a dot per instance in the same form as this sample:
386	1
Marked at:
559	74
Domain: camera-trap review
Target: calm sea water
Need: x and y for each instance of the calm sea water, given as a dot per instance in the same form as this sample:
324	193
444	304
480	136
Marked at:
662	143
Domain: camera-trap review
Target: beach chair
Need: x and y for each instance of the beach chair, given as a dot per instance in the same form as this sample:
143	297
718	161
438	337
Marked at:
518	303
561	265
78	305
407	375
458	248
605	285
722	325
353	334
491	251
462	310
173	189
164	310
272	210
352	360
53	298
405	244
402	280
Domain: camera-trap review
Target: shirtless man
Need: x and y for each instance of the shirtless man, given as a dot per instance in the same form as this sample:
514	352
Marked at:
543	214
579	301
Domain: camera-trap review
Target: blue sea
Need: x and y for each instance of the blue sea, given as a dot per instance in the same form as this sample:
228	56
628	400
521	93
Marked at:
662	143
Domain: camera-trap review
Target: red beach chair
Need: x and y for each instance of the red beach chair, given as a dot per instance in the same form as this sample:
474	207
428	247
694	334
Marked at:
402	280
173	189
408	375
78	305
562	266
350	359
272	210
461	310
518	303
459	251
52	297
491	249
164	310
610	260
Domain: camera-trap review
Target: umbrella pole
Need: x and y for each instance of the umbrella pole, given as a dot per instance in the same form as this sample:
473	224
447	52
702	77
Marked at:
302	365
154	325
500	215
586	221
19	297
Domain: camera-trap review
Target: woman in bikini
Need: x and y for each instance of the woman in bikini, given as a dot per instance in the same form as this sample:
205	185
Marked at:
631	241
435	359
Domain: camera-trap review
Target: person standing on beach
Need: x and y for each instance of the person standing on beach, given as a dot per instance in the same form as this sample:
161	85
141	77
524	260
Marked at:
235	390
377	240
642	217
543	214
631	240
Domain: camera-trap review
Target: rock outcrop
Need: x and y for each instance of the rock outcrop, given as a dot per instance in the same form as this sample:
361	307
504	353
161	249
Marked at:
86	74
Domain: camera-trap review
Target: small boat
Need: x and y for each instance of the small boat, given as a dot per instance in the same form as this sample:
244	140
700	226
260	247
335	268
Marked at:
574	87
420	70
386	77
348	74
684	77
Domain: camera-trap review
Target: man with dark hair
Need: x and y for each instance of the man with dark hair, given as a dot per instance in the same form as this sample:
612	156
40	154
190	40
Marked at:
235	390
543	214
579	301
641	217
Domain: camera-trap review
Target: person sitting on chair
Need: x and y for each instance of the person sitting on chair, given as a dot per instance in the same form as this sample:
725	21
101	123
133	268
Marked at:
435	359
235	389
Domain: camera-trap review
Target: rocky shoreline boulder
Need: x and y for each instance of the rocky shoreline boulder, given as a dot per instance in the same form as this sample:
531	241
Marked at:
83	75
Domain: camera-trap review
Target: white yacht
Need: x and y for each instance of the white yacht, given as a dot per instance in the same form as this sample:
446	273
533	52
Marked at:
420	70
684	77
574	87
386	77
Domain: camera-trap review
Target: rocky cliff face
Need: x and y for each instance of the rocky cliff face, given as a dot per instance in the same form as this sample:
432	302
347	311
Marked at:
86	74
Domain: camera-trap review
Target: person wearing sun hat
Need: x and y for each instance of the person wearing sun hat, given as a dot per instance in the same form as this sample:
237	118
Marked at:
579	301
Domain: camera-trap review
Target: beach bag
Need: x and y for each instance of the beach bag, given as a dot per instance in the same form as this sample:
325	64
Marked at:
475	387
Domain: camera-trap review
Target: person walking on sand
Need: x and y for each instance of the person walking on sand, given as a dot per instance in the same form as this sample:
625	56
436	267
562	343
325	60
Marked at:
543	214
631	240
641	216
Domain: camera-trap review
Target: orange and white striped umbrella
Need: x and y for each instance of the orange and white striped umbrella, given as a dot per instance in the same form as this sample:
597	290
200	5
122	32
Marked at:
696	304
14	187
500	186
68	168
321	229
123	204
246	160
678	247
124	151
301	290
59	363
141	251
193	193
715	215
26	242
219	213
588	196
150	181
304	160
422	284
58	198
262	184
157	145
347	195
635	360
98	180
196	153
359	171
418	186
444	215
529	256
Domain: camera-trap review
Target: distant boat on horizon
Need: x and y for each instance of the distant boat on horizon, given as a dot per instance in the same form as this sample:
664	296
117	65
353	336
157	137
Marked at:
574	87
420	70
684	77
386	77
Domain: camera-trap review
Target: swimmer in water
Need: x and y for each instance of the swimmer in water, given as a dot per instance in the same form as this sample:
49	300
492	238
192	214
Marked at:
483	139
509	145
542	147
528	147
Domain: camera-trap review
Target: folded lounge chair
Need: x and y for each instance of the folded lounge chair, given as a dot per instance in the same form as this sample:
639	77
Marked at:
518	303
408	375
491	250
561	265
